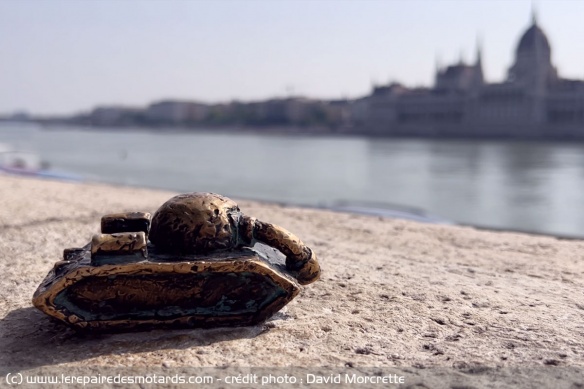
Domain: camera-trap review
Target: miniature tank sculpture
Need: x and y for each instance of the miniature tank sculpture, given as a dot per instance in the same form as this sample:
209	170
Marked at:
195	264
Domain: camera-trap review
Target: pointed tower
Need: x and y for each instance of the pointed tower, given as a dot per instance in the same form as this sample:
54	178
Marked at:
438	63
438	69
533	14
478	72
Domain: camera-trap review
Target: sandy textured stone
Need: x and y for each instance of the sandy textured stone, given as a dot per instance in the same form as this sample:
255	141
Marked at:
393	294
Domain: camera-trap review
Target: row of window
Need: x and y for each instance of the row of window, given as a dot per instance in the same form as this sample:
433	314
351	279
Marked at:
566	116
431	117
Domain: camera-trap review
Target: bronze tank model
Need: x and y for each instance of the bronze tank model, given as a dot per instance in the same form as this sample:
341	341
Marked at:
195	264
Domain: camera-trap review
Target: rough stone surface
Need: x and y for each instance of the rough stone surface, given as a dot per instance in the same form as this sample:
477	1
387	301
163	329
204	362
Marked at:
394	294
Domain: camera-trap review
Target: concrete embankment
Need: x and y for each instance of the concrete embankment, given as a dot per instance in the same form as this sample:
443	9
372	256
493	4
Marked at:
441	305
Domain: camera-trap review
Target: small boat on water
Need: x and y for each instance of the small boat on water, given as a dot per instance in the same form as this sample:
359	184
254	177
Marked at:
26	163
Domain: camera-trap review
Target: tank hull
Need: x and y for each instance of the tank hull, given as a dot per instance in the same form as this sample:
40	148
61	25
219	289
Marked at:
234	288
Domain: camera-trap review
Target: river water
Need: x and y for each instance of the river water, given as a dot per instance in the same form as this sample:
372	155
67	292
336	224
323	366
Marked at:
510	185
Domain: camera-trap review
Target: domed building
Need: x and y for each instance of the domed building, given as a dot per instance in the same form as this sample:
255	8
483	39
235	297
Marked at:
533	58
533	102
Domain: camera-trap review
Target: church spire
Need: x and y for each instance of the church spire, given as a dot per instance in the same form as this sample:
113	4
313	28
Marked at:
479	58
533	14
478	67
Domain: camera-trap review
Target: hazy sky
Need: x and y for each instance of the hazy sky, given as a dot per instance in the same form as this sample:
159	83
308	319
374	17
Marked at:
60	56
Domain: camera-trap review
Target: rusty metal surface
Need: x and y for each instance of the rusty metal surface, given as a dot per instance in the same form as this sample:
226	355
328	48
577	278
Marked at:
195	223
120	244
206	222
118	248
125	222
198	270
192	292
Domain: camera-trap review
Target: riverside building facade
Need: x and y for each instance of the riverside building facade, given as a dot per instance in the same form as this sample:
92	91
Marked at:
533	101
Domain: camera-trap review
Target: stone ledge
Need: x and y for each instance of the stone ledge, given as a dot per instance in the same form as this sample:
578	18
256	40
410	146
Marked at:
394	294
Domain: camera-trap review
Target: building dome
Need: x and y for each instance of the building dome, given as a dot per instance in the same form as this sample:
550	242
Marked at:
533	64
532	38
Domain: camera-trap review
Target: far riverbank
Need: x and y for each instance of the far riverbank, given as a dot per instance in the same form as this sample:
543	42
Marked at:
526	186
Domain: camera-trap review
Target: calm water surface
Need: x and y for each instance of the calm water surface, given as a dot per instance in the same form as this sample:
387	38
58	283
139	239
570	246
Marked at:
527	186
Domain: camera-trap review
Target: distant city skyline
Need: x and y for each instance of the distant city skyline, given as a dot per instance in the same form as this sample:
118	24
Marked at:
62	57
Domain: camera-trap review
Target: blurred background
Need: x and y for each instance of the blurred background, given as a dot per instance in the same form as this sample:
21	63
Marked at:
438	111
